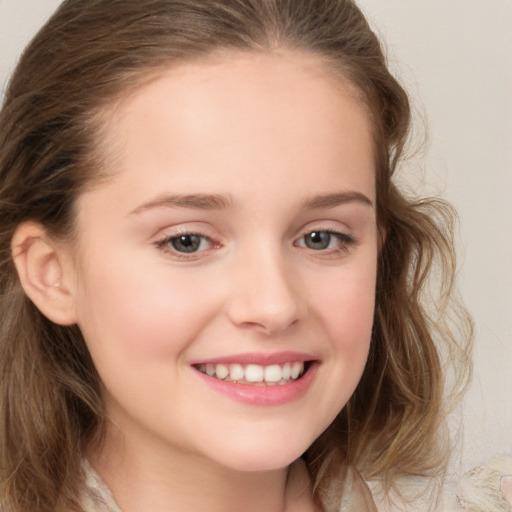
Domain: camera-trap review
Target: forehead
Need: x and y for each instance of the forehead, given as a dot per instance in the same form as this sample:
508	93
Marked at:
233	117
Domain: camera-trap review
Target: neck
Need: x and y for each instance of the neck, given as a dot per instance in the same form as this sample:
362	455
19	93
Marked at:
185	482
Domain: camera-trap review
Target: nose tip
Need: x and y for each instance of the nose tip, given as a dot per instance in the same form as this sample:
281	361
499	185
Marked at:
267	301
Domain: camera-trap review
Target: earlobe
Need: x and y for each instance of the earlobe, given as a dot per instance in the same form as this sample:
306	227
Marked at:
39	261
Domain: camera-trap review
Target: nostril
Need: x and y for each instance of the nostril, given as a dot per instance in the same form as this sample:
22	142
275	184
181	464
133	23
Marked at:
266	317
264	295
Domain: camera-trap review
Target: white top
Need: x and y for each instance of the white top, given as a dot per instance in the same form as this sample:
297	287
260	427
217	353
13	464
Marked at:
352	496
96	496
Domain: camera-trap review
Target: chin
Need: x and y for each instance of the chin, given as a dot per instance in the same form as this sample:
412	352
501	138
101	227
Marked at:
272	457
267	462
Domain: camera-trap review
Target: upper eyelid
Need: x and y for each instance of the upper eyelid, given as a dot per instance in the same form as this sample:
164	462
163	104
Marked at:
168	233
170	236
348	238
210	233
164	239
176	231
321	226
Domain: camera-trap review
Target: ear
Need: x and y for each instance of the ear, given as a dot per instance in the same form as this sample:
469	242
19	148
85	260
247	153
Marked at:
44	272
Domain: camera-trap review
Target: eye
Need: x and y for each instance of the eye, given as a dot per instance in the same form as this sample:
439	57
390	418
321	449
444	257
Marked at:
186	243
323	240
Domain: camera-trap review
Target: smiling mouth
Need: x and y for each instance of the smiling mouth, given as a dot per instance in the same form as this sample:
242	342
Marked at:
255	374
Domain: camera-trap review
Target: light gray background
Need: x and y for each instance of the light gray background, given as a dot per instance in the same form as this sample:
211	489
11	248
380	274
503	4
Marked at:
455	57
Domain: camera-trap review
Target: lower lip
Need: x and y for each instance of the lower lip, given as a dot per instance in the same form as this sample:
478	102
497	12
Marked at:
263	395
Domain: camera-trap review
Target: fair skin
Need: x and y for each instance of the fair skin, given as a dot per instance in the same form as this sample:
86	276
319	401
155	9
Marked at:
237	230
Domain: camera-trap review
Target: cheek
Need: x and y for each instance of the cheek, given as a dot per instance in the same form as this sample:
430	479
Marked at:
347	312
138	315
349	302
344	312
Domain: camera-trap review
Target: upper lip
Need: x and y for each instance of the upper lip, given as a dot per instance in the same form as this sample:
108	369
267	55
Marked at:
259	358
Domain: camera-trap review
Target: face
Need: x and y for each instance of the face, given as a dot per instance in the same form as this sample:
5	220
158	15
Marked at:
225	274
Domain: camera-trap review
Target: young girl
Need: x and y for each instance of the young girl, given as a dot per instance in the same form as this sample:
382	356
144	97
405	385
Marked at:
211	288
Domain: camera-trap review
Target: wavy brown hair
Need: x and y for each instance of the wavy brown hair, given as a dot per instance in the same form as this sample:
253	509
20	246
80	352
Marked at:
85	58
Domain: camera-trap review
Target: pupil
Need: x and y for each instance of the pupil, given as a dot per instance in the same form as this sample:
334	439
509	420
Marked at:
318	240
186	243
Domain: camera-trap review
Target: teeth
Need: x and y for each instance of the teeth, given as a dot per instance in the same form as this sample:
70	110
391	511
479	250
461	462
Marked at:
222	371
273	373
255	373
297	369
236	372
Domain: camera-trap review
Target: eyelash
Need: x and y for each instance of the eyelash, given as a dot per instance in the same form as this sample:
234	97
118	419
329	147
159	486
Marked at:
165	244
345	241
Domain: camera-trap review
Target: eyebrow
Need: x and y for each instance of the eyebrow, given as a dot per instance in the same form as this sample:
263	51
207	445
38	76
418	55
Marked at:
219	202
196	201
331	200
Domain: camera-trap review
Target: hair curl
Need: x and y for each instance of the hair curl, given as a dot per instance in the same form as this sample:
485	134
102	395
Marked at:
87	56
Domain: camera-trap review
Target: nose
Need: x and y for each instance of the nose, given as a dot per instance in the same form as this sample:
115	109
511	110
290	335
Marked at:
265	295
